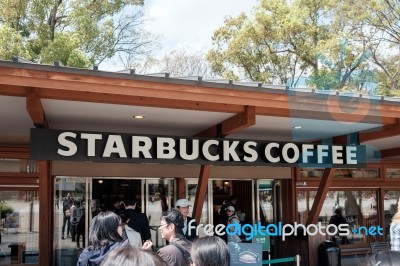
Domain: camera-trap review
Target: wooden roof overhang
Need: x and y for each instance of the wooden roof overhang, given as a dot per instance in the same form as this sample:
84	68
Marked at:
48	82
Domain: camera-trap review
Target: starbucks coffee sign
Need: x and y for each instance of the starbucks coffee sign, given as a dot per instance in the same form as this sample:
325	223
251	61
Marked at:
47	144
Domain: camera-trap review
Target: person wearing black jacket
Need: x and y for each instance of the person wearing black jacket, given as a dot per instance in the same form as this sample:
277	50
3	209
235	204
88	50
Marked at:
182	205
137	220
338	219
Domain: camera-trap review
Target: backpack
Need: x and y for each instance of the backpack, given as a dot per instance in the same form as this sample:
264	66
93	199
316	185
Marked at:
76	214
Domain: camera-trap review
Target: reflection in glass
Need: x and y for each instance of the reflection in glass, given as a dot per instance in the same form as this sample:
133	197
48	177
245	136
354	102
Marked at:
341	173
266	199
70	211
393	173
159	196
191	189
390	204
19	227
359	209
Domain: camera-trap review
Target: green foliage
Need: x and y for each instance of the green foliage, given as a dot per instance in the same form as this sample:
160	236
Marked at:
79	33
5	209
11	43
334	43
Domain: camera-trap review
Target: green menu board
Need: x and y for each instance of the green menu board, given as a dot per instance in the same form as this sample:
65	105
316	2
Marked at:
263	240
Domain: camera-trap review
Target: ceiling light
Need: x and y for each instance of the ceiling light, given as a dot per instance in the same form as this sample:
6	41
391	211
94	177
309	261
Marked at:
138	116
100	181
297	127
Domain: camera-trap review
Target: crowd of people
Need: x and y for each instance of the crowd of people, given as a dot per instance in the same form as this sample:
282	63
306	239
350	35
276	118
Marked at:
121	236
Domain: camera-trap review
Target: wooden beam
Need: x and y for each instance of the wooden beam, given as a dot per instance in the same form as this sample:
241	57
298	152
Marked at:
239	121
324	185
390	152
226	127
201	191
385	131
180	188
10	180
46	212
35	109
232	124
14	152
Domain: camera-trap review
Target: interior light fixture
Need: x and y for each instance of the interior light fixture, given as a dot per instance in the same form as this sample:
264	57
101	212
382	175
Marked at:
100	181
297	127
138	116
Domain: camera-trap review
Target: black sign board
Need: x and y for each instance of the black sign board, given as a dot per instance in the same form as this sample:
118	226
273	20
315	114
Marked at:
66	145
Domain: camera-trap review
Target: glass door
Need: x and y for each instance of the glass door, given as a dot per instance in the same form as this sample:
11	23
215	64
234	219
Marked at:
159	196
71	218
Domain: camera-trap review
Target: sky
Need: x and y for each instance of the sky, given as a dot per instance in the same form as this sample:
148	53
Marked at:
187	24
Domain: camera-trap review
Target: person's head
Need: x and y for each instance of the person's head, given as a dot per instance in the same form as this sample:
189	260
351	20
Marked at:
210	251
106	227
171	224
68	195
130	202
182	205
116	202
339	211
233	199
128	255
230	210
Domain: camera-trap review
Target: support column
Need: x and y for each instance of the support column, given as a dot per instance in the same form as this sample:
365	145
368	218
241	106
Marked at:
201	191
46	214
323	188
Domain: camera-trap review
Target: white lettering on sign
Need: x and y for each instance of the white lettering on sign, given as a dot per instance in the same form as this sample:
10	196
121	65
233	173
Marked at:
122	146
71	146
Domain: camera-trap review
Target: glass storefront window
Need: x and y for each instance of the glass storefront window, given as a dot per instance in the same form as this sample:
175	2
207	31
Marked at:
390	207
341	173
393	172
70	231
159	196
18	166
266	200
359	209
19	227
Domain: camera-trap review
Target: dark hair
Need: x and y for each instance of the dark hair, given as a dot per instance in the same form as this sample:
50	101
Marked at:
124	216
176	218
339	211
128	255
115	199
104	229
210	251
130	201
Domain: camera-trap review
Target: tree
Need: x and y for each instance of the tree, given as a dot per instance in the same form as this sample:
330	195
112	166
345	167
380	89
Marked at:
278	44
287	39
178	63
79	33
